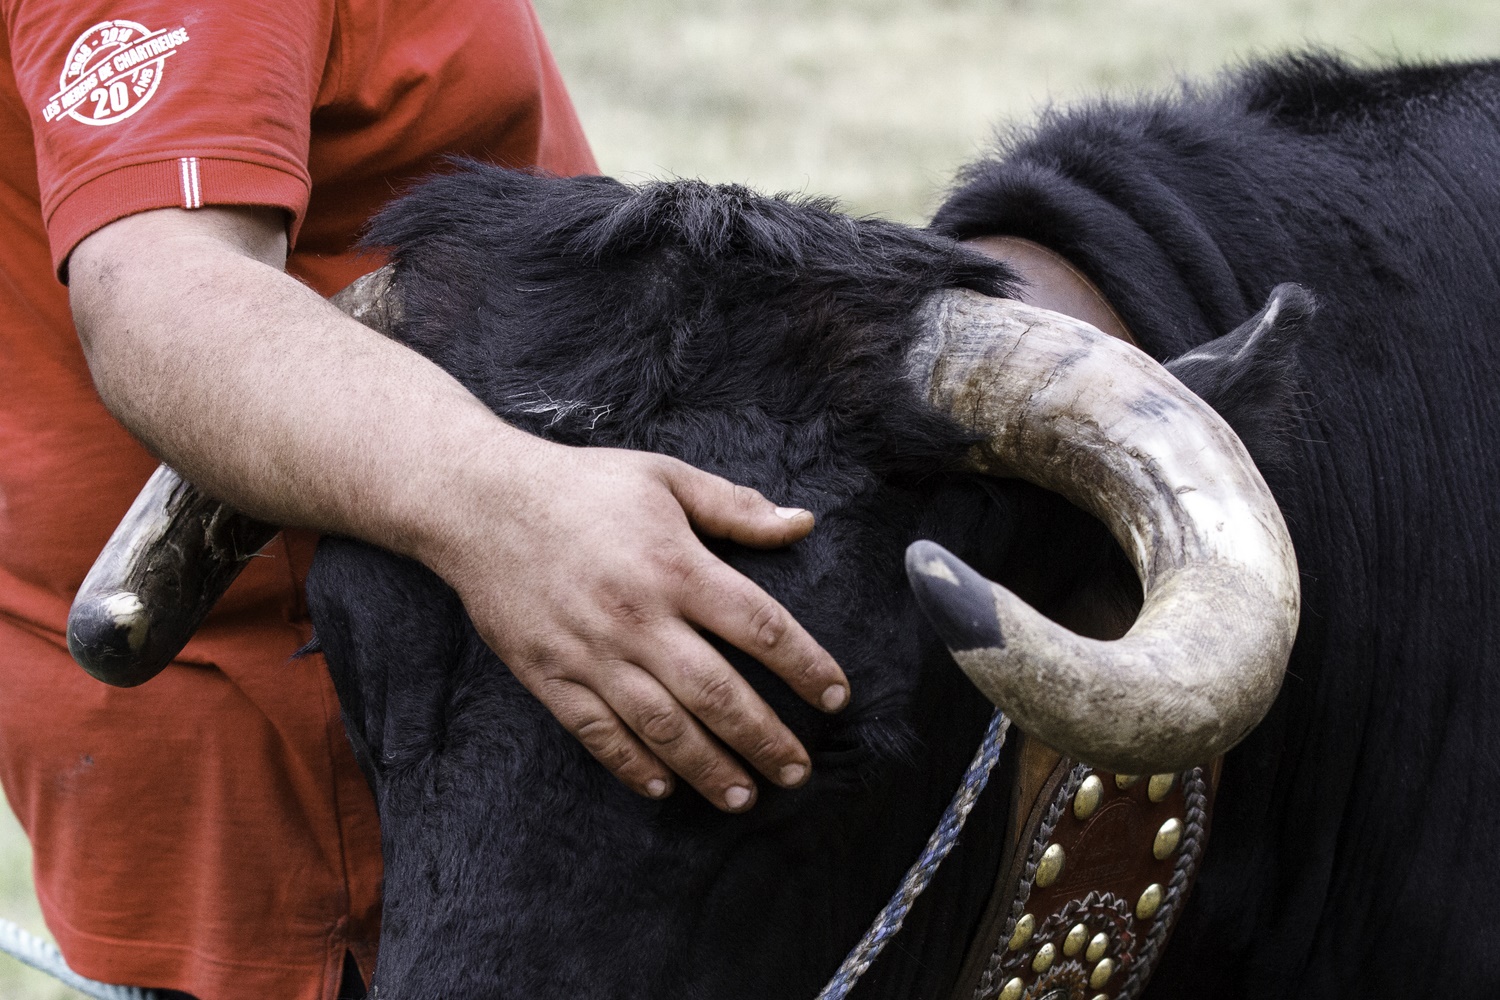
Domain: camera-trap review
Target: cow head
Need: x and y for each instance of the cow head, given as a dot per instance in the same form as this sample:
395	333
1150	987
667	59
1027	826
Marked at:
800	352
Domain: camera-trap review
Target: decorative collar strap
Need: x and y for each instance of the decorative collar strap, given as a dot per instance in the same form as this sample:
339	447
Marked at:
1089	893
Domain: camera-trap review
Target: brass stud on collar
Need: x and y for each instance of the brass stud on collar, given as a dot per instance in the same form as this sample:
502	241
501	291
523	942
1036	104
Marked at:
1097	944
1125	781
1013	989
1160	786
1167	839
1090	794
1076	939
1101	996
1045	956
1150	901
1051	865
1025	927
1101	973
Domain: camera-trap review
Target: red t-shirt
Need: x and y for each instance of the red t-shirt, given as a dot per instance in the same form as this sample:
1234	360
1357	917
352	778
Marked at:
207	831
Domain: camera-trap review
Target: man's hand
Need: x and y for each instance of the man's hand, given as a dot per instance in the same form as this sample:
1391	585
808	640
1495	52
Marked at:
579	566
591	585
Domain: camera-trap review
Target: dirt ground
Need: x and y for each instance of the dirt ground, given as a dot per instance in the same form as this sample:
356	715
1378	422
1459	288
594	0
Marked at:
877	102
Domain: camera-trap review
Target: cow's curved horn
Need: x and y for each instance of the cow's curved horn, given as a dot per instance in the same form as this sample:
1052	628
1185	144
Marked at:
176	551
1087	416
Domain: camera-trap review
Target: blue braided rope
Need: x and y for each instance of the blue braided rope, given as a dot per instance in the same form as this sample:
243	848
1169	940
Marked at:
890	919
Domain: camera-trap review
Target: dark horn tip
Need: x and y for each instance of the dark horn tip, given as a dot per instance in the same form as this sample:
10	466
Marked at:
959	602
107	644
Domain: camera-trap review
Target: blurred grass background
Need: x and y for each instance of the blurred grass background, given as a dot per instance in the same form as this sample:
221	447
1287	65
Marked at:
877	102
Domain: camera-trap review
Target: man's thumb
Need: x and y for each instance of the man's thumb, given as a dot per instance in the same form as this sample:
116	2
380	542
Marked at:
717	507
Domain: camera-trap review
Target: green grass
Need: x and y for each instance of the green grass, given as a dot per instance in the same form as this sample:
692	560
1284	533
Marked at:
877	102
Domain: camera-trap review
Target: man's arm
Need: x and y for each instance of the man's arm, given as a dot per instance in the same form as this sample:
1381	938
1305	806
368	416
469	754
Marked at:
255	388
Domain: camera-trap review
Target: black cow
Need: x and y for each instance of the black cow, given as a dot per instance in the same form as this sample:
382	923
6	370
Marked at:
762	339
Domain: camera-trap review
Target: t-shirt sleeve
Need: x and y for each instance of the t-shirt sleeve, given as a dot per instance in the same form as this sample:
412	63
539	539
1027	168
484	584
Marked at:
150	104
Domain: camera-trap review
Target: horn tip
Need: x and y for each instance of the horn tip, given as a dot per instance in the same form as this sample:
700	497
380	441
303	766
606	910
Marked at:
959	602
107	637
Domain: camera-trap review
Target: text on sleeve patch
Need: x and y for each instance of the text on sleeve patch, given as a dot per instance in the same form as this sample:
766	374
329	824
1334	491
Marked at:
111	71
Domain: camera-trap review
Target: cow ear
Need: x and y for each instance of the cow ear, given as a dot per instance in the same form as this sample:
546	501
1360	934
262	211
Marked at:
1250	375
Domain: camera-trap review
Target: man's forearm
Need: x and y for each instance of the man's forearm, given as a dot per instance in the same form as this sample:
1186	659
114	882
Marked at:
329	425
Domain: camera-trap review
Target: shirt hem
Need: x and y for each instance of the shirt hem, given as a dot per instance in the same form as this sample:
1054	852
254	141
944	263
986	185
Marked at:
162	965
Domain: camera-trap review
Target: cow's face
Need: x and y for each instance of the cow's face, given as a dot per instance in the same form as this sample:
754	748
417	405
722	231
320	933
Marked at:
753	338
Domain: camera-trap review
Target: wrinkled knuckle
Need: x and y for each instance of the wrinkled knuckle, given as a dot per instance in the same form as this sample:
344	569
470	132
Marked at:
716	696
747	499
677	564
687	572
594	732
707	770
560	695
619	757
809	669
630	612
767	747
768	623
664	726
602	738
541	657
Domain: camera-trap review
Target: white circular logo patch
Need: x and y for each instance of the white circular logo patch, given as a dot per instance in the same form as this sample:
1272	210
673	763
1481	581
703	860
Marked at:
112	71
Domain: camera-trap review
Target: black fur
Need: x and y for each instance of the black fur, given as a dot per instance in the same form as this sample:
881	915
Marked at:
1356	846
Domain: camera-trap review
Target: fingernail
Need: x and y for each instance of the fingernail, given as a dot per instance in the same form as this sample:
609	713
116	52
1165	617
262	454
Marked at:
656	788
834	697
787	513
737	796
792	774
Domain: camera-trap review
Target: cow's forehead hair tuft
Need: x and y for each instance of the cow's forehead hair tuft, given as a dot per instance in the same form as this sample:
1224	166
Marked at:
593	311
